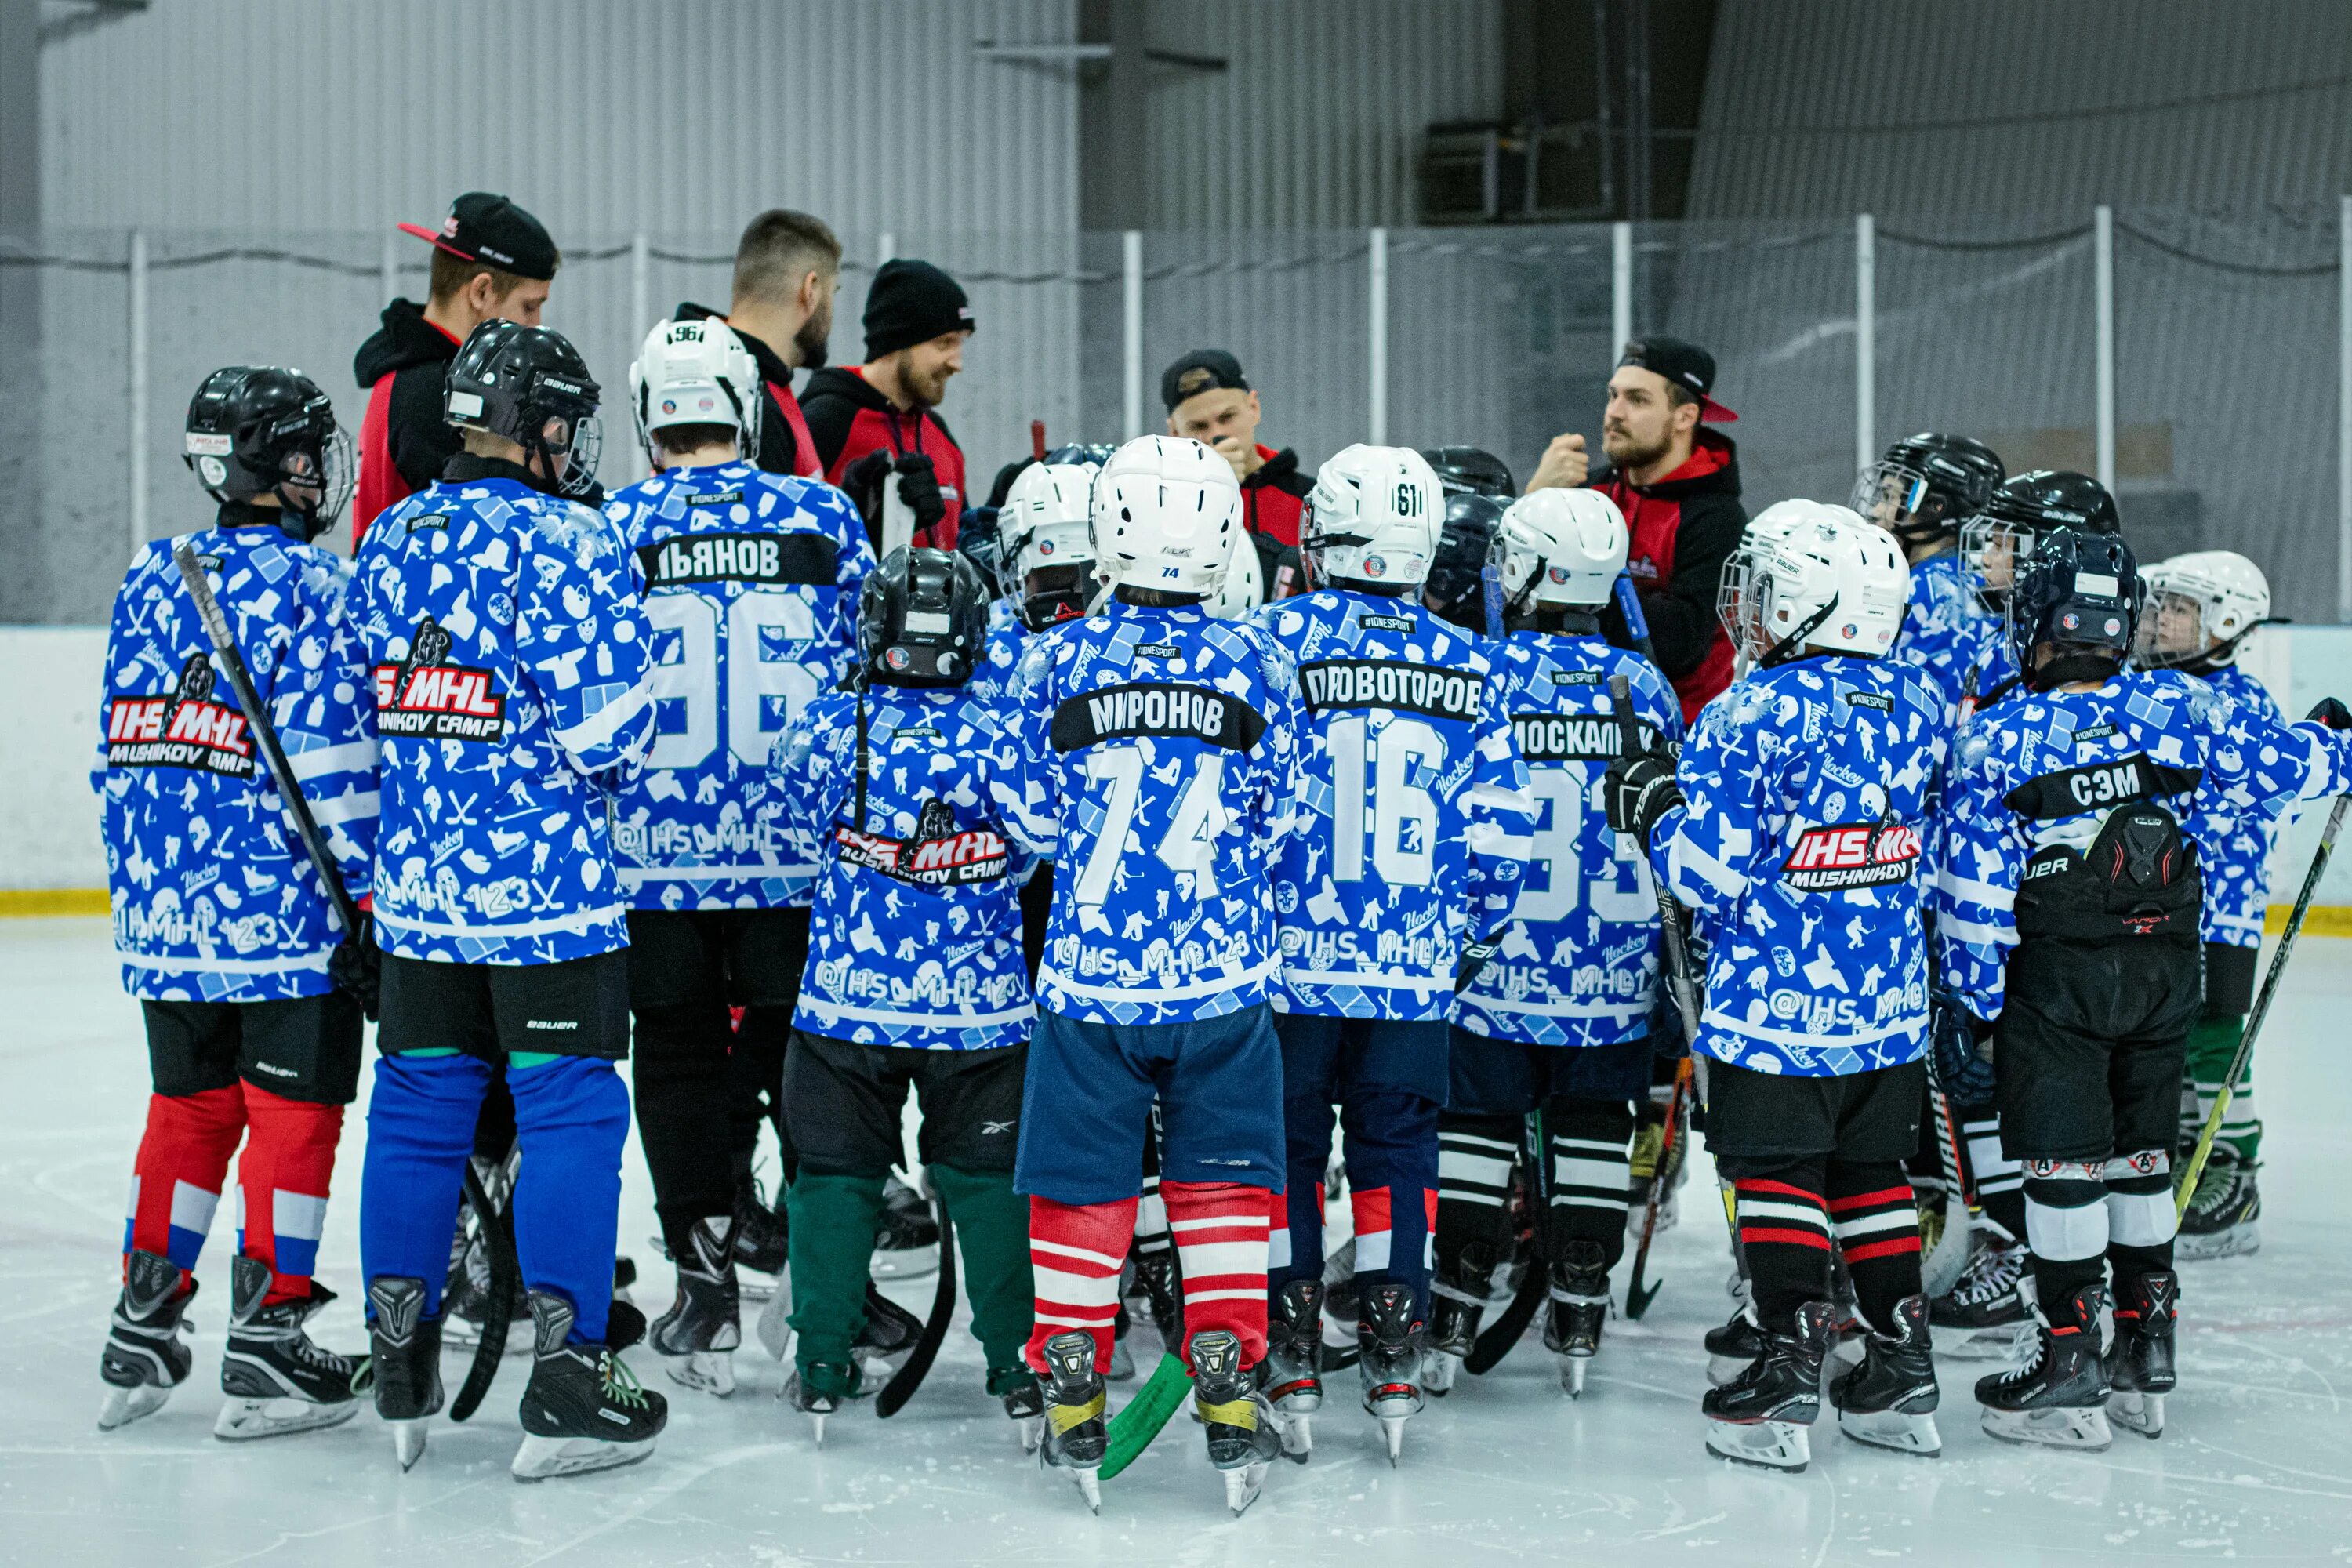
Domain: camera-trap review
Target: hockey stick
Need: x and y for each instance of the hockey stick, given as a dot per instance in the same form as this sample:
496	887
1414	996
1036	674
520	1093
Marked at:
497	1305
1506	1330
917	1364
1941	1270
1140	1418
2245	1053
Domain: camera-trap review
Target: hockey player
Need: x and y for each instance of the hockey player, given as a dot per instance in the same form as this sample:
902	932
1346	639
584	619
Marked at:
751	583
251	992
513	687
1559	1021
2202	610
1156	753
1793	822
914	979
2082	812
1921	491
1415	785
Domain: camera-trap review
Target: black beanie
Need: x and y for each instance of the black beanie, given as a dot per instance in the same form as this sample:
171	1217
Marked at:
912	302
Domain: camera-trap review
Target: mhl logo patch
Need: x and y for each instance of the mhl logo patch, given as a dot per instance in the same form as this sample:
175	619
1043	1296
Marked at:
770	558
422	697
938	855
184	730
1852	854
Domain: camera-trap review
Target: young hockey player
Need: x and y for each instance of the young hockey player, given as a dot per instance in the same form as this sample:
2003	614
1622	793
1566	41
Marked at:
2081	816
514	693
1921	491
915	979
2202	610
751	583
1559	1021
1156	753
251	992
1793	822
1413	784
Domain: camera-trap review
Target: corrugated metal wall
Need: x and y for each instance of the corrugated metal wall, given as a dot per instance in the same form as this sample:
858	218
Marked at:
1963	96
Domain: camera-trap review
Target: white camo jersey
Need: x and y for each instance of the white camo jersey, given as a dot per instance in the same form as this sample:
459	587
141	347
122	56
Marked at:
2235	847
214	898
751	585
1578	962
513	696
1415	811
1155	755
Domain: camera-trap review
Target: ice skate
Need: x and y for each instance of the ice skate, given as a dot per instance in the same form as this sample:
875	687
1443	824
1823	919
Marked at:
1076	1434
1025	1404
1243	1429
146	1355
697	1336
1156	1277
277	1381
1761	1418
2057	1395
886	1341
2139	1362
1390	1362
820	1389
1888	1401
405	1361
2224	1218
1733	1348
1123	1360
583	1410
774	1325
1290	1376
763	1239
1457	1304
1984	1306
1579	1309
465	1294
907	1245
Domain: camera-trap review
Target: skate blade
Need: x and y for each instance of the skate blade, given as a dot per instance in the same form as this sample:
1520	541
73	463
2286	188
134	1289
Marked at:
407	1443
754	1287
2137	1412
1572	1372
816	1429
1392	1433
705	1372
1894	1430
906	1263
1297	1437
1438	1371
2003	1344
2238	1241
1781	1445
244	1420
1089	1485
1029	1431
544	1459
1243	1486
773	1327
121	1407
2084	1429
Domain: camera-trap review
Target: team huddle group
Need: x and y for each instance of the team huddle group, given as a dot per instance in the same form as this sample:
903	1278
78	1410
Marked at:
1144	849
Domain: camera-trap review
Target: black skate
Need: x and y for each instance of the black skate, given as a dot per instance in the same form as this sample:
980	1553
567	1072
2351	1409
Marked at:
1761	1416
583	1410
1025	1402
1243	1431
1457	1304
1732	1349
1341	1310
699	1334
1156	1273
466	1293
1579	1309
1290	1374
2056	1396
907	1245
820	1389
1986	1304
144	1358
762	1234
886	1341
2224	1218
277	1381
1075	1433
1889	1400
1390	1364
405	1363
2139	1362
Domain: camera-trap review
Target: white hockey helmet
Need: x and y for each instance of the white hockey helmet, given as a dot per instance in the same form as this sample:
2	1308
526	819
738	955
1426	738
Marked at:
1163	516
1764	531
1374	517
1243	589
696	372
1831	582
1561	547
2203	608
1046	560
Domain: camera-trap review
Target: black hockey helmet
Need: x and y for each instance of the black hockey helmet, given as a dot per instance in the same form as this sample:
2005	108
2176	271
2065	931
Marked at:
1924	486
980	540
529	385
1470	541
1997	543
256	430
2079	592
1470	470
922	619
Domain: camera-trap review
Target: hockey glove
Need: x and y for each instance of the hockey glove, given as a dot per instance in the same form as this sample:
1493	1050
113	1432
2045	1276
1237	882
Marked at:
918	486
1638	792
1963	1046
862	480
2332	713
356	967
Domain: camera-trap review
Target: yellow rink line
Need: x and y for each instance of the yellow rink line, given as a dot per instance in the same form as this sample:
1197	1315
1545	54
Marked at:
2324	920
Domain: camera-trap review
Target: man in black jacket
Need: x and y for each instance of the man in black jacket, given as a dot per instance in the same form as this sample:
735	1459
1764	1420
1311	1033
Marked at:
787	270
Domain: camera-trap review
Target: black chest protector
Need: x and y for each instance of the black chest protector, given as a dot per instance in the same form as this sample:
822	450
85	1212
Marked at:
2138	878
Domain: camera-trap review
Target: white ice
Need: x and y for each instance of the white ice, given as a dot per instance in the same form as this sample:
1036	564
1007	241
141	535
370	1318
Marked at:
2256	1465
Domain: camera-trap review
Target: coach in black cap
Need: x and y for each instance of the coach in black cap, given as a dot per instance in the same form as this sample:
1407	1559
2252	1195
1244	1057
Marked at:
881	418
490	260
1211	401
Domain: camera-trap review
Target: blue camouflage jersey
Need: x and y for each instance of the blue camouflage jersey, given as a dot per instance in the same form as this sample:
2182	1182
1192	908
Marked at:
1414	807
1156	756
513	689
1578	962
1942	637
751	584
1000	657
2215	764
2236	848
214	898
1808	784
915	937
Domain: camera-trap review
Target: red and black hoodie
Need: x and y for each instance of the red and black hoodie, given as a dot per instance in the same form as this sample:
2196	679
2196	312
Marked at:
1683	528
849	418
1274	496
404	438
786	446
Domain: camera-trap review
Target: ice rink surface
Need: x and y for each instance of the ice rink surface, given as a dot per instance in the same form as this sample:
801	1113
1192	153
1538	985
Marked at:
2256	1467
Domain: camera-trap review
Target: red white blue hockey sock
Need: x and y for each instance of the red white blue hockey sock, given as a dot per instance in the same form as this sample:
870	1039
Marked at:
175	1183
1075	1253
290	1158
1221	1230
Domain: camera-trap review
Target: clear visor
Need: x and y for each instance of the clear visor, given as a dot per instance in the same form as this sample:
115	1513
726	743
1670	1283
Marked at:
1993	550
2172	631
1889	494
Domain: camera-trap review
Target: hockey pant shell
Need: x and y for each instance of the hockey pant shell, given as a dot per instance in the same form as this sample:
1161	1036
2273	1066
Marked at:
1388	1079
2213	1045
277	1074
1219	1228
571	1116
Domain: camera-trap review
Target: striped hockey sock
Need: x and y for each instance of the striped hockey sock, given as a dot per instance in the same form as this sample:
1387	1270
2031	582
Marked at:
1591	1146
1221	1230
289	1157
1784	1229
2000	1181
1877	1223
1474	1156
182	1161
1076	1252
